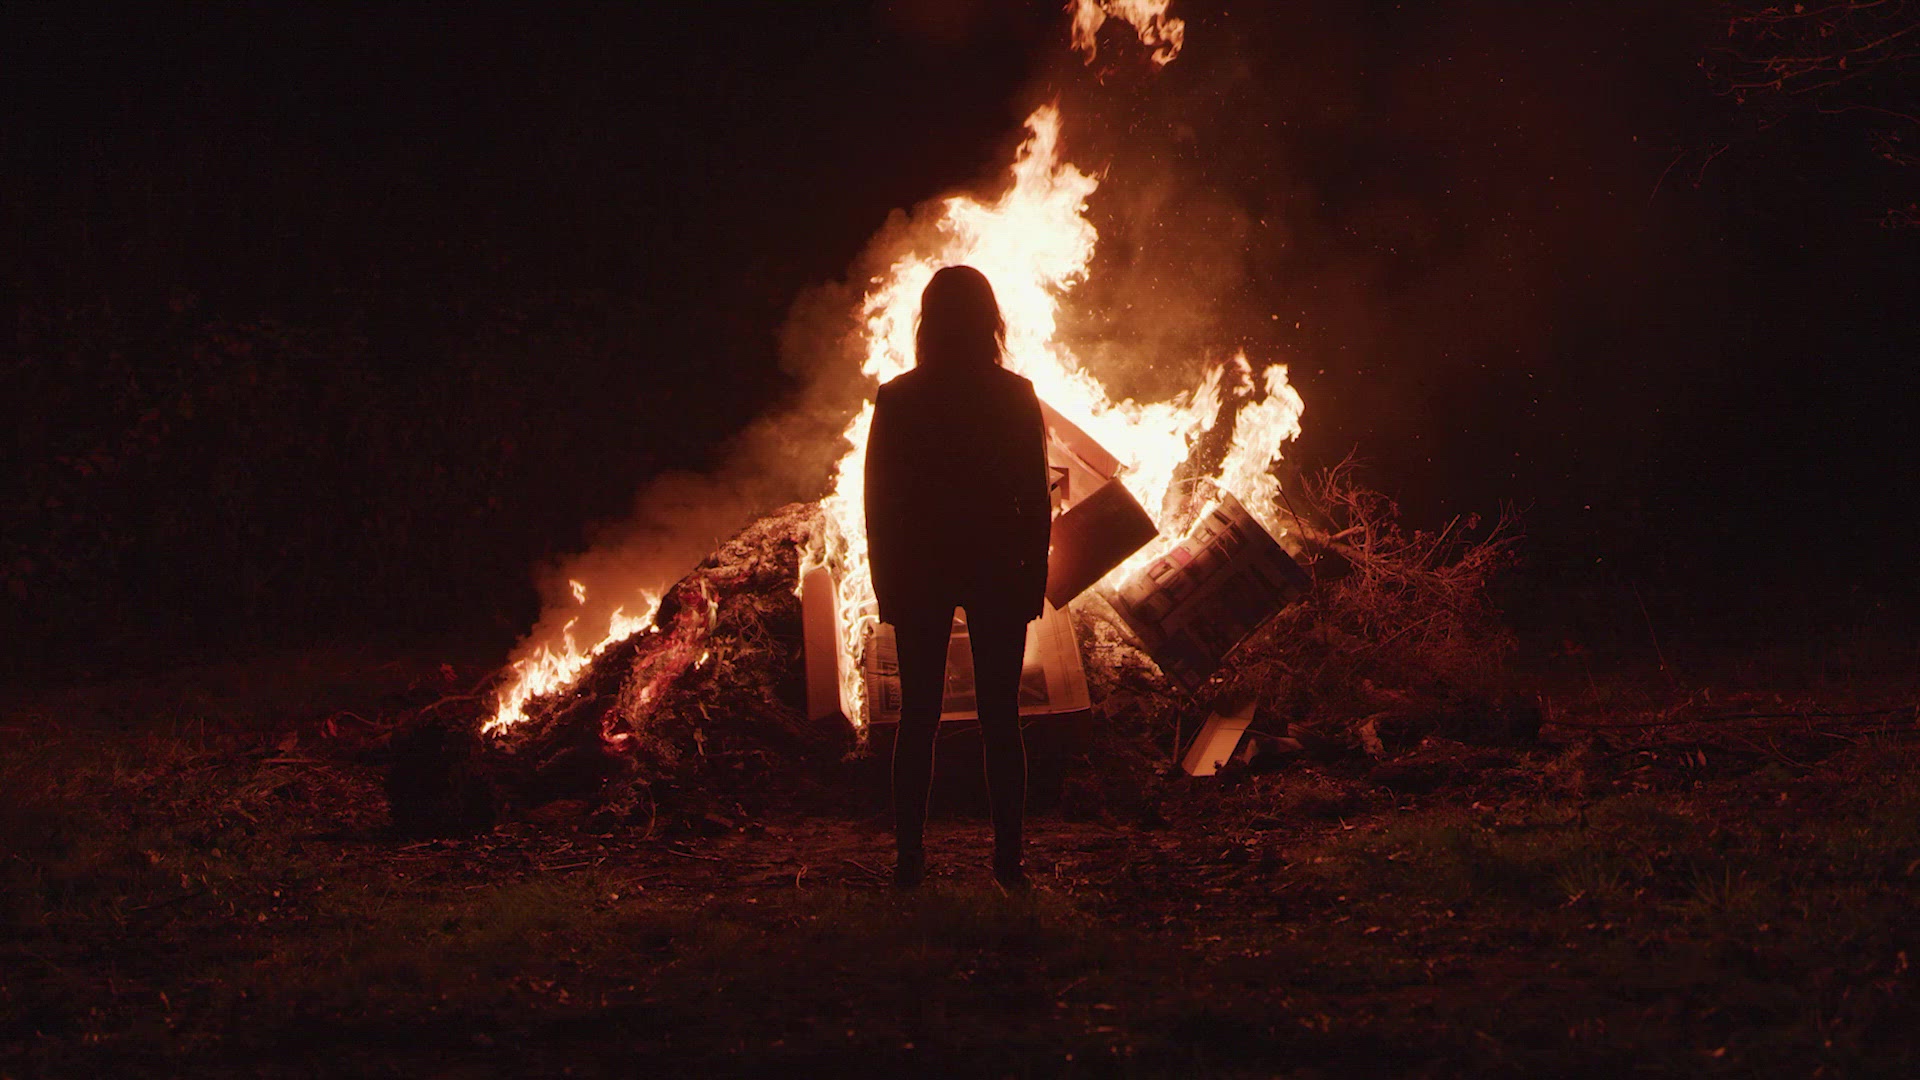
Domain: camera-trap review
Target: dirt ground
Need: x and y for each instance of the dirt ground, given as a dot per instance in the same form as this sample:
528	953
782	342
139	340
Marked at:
1682	877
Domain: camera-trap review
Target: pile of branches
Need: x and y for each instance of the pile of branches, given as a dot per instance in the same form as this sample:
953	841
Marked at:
713	692
1399	638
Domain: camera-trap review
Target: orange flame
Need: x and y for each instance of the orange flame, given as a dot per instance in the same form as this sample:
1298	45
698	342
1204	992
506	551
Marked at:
554	665
1034	244
1149	18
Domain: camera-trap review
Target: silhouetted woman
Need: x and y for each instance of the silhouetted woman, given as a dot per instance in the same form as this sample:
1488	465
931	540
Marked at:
957	516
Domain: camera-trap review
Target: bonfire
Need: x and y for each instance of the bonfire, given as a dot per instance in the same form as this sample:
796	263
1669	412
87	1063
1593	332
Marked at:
1175	546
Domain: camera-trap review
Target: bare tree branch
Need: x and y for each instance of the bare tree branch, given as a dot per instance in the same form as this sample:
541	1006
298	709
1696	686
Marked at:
1857	58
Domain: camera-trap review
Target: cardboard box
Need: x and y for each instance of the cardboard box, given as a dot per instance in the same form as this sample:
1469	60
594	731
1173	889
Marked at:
1080	465
1218	738
1193	605
1092	537
1097	525
1097	522
1052	681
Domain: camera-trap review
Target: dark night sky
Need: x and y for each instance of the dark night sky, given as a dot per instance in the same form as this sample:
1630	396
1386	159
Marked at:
1504	290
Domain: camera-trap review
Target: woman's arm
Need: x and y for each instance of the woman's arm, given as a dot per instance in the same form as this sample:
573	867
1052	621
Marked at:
882	503
1035	506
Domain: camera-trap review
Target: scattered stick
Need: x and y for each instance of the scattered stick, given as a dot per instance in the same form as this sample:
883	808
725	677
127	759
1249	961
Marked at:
1817	715
169	902
1679	720
1774	752
453	699
1655	638
863	867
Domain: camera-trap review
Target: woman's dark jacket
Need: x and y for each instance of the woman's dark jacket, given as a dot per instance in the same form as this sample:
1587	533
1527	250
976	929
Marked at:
956	495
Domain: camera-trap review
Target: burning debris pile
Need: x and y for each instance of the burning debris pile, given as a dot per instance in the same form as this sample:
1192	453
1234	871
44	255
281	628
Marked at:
1396	641
1174	549
711	687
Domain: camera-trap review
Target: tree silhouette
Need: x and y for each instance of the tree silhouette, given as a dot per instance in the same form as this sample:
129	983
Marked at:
1857	60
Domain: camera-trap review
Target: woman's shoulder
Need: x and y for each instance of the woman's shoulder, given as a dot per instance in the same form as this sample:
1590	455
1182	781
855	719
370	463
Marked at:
920	388
1012	383
901	388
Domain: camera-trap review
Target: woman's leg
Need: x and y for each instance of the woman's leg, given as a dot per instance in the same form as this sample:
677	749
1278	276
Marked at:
999	644
921	646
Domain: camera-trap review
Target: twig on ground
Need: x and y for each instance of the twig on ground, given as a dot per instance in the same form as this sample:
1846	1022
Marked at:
1677	721
573	865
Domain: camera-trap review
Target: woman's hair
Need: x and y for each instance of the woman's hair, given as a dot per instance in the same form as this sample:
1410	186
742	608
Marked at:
960	324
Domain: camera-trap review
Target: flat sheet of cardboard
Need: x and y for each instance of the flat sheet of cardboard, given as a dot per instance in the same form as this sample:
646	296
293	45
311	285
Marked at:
1052	680
1218	738
1092	537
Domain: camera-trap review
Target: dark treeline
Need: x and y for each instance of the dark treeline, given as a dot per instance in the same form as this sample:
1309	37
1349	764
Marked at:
339	321
335	321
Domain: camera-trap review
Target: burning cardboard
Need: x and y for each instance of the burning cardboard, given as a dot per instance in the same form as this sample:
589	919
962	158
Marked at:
1079	464
1092	537
1191	606
1098	523
1052	682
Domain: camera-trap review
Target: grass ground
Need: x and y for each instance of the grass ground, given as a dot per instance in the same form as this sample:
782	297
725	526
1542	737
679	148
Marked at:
195	884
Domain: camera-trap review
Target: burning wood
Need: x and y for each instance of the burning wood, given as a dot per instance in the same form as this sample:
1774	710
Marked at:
740	676
771	649
1114	463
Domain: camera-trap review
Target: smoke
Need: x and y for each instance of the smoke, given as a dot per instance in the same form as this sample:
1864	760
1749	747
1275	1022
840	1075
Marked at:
679	518
1439	217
